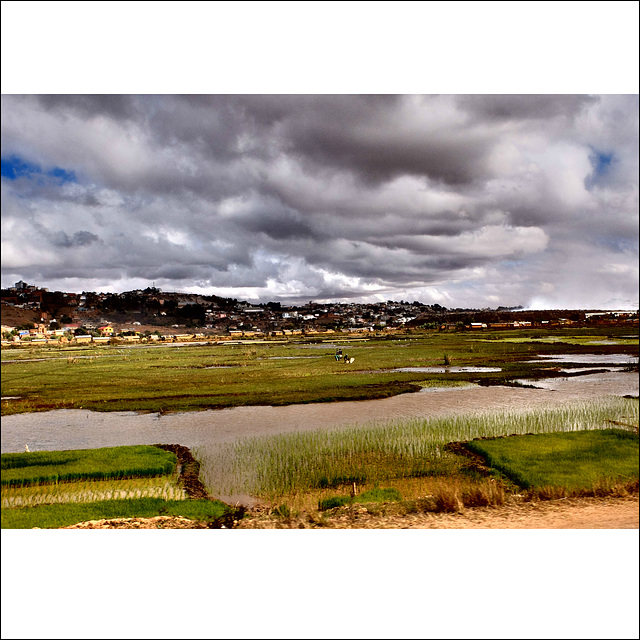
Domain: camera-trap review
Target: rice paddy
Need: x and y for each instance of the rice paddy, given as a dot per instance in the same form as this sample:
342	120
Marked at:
574	461
211	376
288	465
402	460
46	467
163	487
54	486
51	516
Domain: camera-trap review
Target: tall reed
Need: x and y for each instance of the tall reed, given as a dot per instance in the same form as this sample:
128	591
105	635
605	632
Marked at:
270	467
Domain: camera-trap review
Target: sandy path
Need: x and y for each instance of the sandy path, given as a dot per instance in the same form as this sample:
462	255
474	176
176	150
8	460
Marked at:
591	513
568	513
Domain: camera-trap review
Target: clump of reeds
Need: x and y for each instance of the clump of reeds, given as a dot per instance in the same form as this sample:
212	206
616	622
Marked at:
275	466
602	488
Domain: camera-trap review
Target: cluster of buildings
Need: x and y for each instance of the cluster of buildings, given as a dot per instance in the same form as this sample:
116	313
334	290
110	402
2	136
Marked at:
151	315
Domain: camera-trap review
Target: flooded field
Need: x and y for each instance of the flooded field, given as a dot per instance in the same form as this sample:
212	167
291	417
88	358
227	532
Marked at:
592	385
79	429
588	358
448	369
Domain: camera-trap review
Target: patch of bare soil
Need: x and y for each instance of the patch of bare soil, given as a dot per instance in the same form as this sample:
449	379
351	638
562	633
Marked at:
568	513
158	522
15	316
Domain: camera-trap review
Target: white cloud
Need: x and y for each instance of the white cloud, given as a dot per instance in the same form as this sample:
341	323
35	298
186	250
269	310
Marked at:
463	200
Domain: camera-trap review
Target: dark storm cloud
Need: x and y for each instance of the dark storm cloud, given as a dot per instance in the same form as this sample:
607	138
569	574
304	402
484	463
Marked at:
448	199
376	137
119	107
78	239
523	107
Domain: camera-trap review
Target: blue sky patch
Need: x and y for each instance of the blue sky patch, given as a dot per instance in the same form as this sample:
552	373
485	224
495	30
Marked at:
14	167
602	164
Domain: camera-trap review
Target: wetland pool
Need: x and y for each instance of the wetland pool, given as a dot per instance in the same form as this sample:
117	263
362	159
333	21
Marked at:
81	429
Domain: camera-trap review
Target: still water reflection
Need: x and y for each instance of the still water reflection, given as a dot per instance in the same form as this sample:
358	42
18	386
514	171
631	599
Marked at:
80	429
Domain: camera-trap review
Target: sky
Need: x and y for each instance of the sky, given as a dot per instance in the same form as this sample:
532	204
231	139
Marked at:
460	200
267	190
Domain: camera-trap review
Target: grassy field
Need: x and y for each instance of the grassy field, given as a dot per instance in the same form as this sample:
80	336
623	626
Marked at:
53	516
575	461
401	461
57	488
44	467
162	379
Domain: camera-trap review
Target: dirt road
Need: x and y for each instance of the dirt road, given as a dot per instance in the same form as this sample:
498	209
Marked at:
568	513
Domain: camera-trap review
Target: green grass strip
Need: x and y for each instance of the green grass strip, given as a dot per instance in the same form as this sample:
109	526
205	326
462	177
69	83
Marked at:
42	467
574	460
53	516
373	495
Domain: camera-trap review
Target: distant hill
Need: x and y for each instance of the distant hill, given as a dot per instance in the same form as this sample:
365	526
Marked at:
14	316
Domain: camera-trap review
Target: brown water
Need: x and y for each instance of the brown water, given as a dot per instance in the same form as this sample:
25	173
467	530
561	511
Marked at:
448	369
80	429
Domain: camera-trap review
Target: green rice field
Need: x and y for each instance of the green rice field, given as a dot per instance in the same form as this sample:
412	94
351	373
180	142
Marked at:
42	467
58	488
162	379
575	460
52	516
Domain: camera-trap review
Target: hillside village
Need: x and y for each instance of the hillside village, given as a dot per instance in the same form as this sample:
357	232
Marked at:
31	314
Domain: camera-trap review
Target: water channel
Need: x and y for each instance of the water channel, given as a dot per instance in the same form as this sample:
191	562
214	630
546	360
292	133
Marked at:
81	429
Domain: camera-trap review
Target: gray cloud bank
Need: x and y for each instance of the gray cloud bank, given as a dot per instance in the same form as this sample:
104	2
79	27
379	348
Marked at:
465	201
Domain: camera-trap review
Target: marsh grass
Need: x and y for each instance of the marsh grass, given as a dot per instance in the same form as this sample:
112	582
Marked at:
444	384
306	463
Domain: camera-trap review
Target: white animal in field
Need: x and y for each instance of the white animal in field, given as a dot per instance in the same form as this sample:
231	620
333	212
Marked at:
26	448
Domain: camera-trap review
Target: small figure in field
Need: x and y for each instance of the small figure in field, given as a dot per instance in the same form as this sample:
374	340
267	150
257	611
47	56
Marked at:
26	448
338	355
